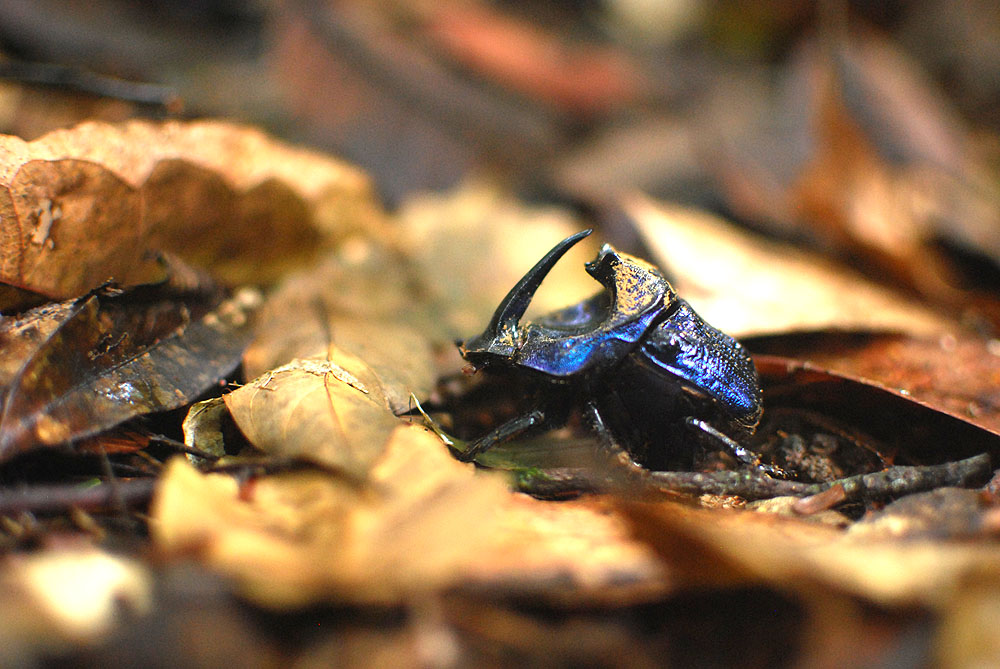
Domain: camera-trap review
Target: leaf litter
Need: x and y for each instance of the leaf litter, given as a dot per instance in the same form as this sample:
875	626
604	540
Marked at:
112	355
422	522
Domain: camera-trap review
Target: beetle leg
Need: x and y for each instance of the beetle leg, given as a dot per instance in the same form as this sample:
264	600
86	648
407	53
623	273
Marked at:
611	446
505	432
741	453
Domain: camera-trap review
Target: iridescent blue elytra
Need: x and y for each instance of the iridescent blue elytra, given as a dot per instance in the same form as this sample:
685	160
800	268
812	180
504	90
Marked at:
636	356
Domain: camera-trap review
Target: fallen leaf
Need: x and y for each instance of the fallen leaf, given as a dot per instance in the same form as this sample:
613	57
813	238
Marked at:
202	427
585	80
330	410
365	299
945	513
862	152
956	373
813	560
80	206
73	594
386	314
112	355
900	425
423	522
472	245
746	285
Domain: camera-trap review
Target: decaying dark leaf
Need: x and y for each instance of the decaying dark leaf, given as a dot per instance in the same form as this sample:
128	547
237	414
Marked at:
111	355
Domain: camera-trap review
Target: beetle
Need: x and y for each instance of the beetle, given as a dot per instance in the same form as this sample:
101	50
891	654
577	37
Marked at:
647	371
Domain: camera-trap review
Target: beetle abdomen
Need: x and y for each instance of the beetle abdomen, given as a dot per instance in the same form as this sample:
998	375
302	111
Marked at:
709	359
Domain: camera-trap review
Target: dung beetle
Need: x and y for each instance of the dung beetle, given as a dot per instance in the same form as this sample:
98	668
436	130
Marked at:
636	359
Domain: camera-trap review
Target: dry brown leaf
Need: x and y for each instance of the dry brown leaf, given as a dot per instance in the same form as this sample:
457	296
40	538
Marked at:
425	522
331	410
365	299
83	205
956	374
361	344
745	285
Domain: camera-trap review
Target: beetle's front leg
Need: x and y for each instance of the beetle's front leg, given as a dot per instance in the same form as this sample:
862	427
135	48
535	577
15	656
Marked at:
741	453
502	433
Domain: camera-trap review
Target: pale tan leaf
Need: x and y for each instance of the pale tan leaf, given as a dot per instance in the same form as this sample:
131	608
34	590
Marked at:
746	285
472	245
70	594
360	298
330	410
425	522
811	558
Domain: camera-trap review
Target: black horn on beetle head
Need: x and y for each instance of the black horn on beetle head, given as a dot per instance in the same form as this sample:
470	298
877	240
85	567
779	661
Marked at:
500	336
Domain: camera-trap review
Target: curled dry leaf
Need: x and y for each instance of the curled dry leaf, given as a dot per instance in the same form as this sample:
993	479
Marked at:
958	374
424	522
893	423
94	202
202	427
746	285
104	358
331	410
897	424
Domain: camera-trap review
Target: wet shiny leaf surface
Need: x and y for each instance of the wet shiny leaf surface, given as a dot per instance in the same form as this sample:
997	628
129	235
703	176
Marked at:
114	355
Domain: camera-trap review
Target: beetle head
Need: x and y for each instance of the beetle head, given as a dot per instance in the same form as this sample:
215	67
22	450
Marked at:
502	337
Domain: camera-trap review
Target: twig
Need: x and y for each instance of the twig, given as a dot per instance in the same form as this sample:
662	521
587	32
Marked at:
83	81
892	482
182	447
49	498
424	85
